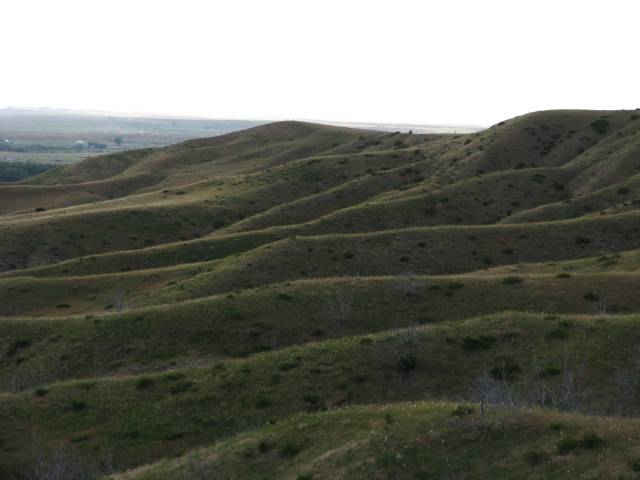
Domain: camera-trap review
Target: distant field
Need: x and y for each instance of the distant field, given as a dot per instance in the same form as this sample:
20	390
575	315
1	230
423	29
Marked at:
61	137
51	138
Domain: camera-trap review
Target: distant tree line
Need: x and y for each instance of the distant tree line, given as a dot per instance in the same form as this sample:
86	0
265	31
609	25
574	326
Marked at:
16	171
30	148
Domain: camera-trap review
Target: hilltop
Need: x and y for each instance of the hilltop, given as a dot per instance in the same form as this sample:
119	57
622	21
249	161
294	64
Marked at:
177	311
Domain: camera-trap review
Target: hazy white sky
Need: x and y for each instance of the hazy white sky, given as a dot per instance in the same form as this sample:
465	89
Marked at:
451	62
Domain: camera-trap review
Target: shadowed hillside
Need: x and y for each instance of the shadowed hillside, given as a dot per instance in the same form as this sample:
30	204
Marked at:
183	311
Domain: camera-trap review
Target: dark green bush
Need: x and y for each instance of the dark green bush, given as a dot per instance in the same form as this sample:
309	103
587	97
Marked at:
181	387
78	405
311	398
18	345
567	445
264	446
144	382
600	126
407	362
591	440
263	402
557	334
482	342
289	450
505	372
463	411
535	457
588	441
550	371
512	280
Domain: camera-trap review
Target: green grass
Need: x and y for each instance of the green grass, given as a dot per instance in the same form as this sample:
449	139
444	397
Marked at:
205	404
220	294
120	337
412	441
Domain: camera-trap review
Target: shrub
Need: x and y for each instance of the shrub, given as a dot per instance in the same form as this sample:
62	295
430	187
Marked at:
407	362
387	459
181	387
550	372
591	440
534	457
505	372
289	450
557	426
567	445
582	241
563	275
78	405
463	411
600	126
263	402
264	446
41	392
590	296
482	342
512	280
623	191
144	382
172	377
18	345
588	441
288	365
310	398
284	296
557	334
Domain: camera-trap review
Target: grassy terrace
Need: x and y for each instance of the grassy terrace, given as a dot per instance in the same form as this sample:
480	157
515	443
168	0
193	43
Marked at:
301	301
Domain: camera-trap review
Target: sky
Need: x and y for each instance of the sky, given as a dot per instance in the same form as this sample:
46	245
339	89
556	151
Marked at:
397	61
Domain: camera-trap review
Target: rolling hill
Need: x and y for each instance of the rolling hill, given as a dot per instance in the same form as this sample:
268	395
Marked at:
306	301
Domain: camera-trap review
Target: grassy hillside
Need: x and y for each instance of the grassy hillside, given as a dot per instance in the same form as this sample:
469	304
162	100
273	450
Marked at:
141	418
416	441
211	294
